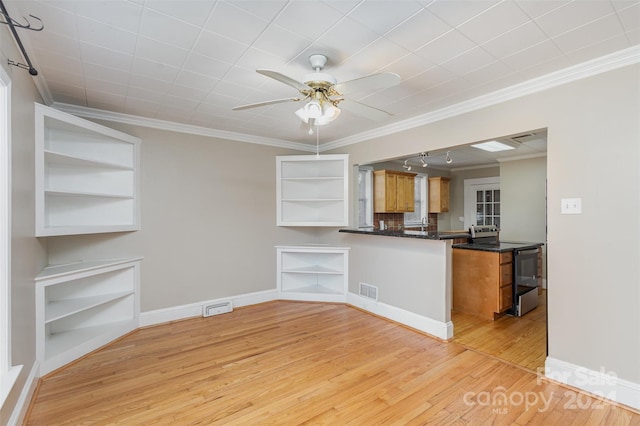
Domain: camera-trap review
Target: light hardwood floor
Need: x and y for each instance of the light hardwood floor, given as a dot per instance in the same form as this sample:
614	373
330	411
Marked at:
519	340
293	363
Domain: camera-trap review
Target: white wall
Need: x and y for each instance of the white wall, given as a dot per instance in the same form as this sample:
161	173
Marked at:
523	186
28	254
593	153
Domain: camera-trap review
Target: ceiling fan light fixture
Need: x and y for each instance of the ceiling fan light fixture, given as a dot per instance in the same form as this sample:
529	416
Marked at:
311	110
321	113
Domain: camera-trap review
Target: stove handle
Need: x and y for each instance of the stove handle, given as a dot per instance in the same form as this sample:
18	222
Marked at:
526	251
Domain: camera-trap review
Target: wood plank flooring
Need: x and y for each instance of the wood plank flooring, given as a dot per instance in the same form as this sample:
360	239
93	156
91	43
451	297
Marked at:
302	363
519	340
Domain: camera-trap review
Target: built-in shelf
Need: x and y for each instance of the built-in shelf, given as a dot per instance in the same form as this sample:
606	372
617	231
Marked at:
312	190
87	176
313	273
82	306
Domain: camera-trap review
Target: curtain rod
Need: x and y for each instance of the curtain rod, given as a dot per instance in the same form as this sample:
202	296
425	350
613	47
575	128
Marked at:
13	24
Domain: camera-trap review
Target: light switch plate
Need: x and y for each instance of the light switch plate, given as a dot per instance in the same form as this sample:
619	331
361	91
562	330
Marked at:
571	206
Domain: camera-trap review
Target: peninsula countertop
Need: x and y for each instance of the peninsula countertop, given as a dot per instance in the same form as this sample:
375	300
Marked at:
500	247
408	233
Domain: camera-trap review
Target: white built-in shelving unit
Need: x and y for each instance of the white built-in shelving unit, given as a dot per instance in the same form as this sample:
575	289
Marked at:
313	273
82	306
87	176
312	190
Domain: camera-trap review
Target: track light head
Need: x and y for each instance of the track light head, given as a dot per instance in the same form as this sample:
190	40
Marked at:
423	155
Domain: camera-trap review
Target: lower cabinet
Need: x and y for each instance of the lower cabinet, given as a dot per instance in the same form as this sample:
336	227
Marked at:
482	282
313	273
83	306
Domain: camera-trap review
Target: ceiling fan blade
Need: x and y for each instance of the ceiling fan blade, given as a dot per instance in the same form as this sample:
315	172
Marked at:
259	104
370	82
284	79
363	110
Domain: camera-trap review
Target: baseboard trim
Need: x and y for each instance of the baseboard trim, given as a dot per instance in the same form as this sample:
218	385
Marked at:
439	329
600	383
175	313
20	410
427	325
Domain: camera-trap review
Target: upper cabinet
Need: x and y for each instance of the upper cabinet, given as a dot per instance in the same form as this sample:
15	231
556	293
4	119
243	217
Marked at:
393	191
312	190
438	194
87	176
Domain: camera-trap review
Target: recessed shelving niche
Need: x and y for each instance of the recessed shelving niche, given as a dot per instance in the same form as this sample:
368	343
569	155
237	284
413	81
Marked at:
87	176
82	306
312	190
313	272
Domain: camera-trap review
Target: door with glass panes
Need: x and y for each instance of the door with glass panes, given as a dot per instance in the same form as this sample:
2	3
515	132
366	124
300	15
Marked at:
482	202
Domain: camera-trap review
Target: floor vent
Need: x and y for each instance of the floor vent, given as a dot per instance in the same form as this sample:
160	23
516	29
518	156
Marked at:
217	308
369	291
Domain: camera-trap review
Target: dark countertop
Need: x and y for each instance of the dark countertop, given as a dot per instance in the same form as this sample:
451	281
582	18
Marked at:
407	233
501	247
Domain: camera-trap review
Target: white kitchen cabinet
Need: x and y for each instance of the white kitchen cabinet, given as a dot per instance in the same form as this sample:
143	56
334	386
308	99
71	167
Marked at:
318	273
87	176
312	190
82	306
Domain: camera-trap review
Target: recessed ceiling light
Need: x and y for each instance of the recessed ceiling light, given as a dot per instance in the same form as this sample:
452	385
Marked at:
493	146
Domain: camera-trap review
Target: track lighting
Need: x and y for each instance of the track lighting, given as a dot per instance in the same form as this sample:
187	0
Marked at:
405	166
423	155
448	158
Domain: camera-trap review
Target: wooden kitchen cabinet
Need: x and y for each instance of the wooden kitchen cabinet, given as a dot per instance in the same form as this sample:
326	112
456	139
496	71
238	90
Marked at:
482	282
393	191
438	194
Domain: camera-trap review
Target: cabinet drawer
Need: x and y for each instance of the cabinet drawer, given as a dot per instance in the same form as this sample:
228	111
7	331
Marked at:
506	257
506	298
506	274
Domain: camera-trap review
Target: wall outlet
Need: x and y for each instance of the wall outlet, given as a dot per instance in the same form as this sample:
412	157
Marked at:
571	206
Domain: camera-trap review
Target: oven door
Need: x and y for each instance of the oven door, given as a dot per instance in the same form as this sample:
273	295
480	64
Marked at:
525	267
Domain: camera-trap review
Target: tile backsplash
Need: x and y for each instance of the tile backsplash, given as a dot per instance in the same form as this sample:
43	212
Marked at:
395	221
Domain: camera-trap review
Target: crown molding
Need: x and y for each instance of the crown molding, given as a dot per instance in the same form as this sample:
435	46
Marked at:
590	68
155	123
576	72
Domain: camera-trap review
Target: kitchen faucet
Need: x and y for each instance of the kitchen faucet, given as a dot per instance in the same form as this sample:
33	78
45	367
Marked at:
422	223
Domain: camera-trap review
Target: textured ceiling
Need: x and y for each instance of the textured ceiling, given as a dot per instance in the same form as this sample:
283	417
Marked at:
190	62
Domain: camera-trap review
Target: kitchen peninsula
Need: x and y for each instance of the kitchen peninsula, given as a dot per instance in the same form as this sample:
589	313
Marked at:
411	272
459	237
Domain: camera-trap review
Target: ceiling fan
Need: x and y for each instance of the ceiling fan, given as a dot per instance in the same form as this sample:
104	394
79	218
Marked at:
324	93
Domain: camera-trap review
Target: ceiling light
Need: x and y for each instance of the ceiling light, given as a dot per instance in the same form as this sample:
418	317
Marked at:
493	146
405	166
448	158
318	113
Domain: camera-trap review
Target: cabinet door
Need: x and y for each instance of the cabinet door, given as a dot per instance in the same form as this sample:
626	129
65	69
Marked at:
444	195
409	193
390	198
506	298
400	193
438	195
